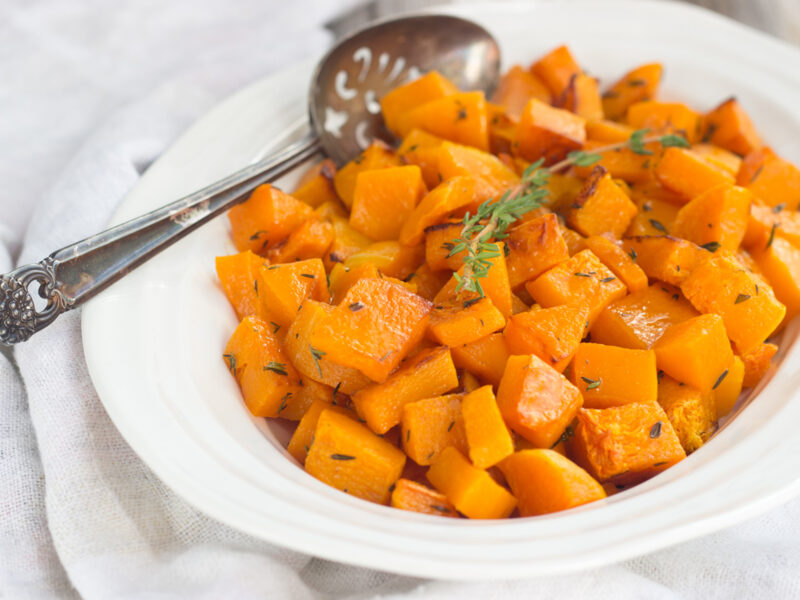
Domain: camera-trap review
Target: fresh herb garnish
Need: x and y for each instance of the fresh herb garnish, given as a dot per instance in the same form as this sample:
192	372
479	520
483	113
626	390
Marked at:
741	298
719	379
658	225
342	457
316	355
711	246
772	235
356	306
231	363
592	383
276	367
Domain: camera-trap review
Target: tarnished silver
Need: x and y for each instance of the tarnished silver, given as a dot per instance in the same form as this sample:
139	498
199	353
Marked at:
345	115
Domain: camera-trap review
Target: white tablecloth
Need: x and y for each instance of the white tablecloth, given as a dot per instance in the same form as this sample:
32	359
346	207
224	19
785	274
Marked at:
90	93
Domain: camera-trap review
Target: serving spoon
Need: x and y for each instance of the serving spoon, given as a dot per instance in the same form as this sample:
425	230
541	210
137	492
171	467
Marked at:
344	111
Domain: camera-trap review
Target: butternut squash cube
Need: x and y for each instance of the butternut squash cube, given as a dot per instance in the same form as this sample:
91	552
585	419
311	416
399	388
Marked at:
422	149
666	258
718	215
756	363
655	217
534	247
638	85
486	358
665	117
265	219
556	69
640	319
413	496
238	274
729	126
456	325
581	280
377	156
303	436
601	206
311	240
346	242
348	456
724	159
473	491
492	177
439	244
695	352
729	390
544	481
610	132
553	334
436	206
620	262
773	180
622	163
548	133
428	282
611	376
582	96
516	88
404	98
692	413
316	186
537	401
780	264
764	223
747	305
626	444
488	437
390	257
384	198
427	374
285	287
461	118
431	425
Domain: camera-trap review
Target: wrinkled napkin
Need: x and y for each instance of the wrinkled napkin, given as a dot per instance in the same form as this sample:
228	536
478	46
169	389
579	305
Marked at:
90	94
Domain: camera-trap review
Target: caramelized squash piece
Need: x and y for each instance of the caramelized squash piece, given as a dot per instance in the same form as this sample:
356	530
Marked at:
456	325
548	133
729	389
492	177
346	242
431	425
485	358
285	287
544	481
582	96
390	257
413	496
405	98
436	207
692	413
342	278
718	215
473	491
729	126
462	118
316	187
422	149
664	118
238	274
311	240
516	88
626	444
641	318
765	223
773	180
488	438
610	132
620	262
639	85
303	436
757	362
655	217
601	206
534	247
581	280
719	157
622	163
428	282
611	376
537	401
695	352
348	456
427	374
265	219
552	334
377	156
439	243
556	69
666	258
383	199
780	264
688	174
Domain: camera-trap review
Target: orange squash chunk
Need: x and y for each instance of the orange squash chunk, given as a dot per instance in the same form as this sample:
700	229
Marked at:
765	222
534	247
302	337
665	117
461	118
641	318
377	323
756	363
548	133
626	444
238	274
655	217
311	240
436	206
582	97
718	215
544	481
377	156
428	282
695	352
422	149
729	126
348	456
427	374
456	325
303	435
392	258
620	262
692	413
438	244
747	305
639	85
265	219
485	358
780	264
728	391
552	334
284	288
582	279
719	157
271	386
488	437
316	187
556	69
516	88
601	206
473	491
384	198
405	98
611	376
495	285
537	401
622	163
666	258
413	496
688	174
342	278
346	242
431	425
574	241
774	181
609	132
492	177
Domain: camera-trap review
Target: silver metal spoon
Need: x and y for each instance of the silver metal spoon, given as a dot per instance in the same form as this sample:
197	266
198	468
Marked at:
345	115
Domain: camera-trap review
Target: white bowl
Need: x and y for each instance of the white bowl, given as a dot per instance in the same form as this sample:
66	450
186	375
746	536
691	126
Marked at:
153	341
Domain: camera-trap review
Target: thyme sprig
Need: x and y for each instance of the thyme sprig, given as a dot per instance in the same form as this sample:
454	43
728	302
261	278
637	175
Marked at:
493	218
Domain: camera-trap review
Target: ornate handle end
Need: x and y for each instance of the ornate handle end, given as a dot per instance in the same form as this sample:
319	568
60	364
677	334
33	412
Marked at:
19	317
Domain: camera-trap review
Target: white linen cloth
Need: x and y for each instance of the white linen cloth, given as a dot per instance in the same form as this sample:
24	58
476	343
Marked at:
80	514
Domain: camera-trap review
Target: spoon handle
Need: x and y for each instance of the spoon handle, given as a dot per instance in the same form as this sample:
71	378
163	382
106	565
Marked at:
77	272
